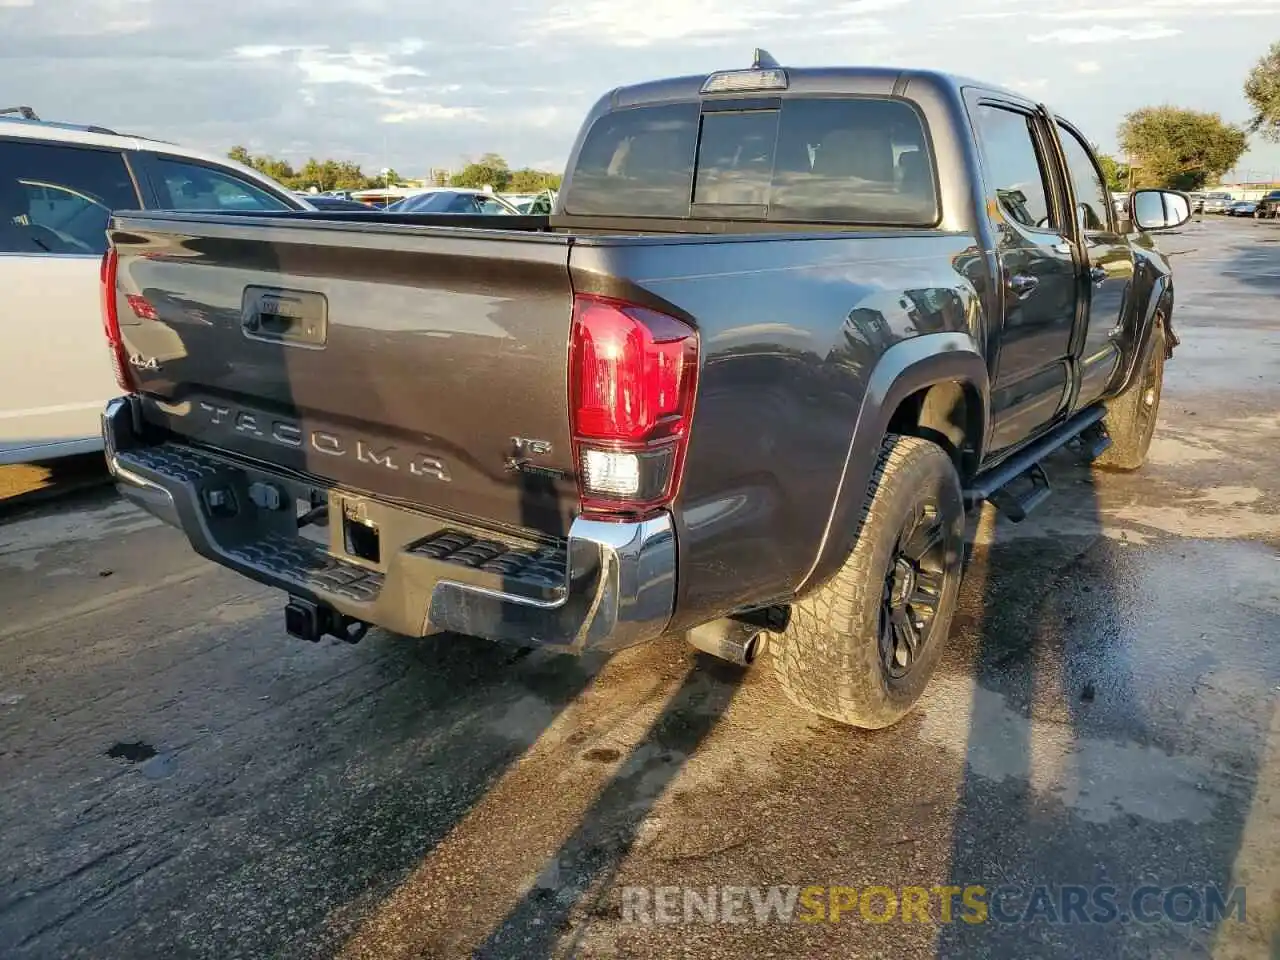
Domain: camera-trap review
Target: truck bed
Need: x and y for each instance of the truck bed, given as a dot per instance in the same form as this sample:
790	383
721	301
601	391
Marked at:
407	358
396	353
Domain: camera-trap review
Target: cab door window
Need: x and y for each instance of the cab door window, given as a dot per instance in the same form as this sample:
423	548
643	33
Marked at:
1015	167
1086	179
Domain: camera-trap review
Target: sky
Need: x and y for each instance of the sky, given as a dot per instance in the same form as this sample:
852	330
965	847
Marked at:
429	84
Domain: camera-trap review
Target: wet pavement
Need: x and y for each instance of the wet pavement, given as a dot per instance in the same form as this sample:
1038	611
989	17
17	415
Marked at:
180	779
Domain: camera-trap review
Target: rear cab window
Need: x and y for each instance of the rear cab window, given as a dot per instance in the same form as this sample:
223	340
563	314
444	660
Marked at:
854	160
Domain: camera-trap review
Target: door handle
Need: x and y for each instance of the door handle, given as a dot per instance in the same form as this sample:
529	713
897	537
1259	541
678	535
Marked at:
1023	285
1097	274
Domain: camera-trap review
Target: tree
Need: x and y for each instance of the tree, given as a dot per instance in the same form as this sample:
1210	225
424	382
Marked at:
1262	90
322	174
1115	172
489	171
528	180
278	170
332	175
1178	148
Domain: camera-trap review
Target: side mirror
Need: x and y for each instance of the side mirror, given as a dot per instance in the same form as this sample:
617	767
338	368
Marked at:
1160	209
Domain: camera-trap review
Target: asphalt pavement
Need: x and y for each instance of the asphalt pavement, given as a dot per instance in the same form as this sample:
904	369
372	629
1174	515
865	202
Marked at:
178	778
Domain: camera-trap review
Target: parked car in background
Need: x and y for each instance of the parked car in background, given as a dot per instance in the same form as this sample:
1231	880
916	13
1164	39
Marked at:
59	184
1269	206
532	204
454	200
1197	202
324	201
1217	202
379	198
742	381
1241	208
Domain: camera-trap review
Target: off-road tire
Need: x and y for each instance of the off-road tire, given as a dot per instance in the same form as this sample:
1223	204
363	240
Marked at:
1131	416
829	658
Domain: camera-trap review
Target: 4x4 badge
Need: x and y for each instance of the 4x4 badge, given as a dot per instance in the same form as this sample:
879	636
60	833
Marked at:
139	362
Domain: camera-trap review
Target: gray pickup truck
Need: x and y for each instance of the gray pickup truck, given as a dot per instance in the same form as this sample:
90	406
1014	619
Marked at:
781	330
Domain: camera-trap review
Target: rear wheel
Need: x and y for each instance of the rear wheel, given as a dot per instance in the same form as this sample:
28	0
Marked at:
1131	417
861	648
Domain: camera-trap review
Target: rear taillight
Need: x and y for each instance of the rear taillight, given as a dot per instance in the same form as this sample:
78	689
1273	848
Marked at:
111	323
633	376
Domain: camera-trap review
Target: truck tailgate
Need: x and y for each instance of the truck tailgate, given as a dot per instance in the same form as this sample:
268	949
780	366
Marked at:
407	362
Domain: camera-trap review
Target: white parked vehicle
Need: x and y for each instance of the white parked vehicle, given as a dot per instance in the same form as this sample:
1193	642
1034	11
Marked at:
1217	202
59	184
454	200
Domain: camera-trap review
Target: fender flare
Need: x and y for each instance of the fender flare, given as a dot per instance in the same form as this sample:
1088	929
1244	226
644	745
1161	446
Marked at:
1160	296
905	368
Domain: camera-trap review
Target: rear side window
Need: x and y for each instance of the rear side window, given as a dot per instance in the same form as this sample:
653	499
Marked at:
58	199
859	161
191	186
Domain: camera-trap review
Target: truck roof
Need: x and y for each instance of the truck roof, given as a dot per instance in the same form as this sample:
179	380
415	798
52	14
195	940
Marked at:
807	80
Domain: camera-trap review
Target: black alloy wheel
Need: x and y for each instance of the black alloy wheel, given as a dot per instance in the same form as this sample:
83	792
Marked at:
913	586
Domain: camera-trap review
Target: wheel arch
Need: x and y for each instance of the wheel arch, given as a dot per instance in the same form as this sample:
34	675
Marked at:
935	387
1158	308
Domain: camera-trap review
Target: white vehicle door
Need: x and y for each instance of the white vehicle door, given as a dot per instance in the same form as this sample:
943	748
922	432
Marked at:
55	369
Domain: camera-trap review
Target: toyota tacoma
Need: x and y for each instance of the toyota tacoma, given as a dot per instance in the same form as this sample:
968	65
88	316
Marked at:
781	330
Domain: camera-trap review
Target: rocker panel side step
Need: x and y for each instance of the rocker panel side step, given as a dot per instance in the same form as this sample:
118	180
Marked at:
1016	499
1025	464
1095	441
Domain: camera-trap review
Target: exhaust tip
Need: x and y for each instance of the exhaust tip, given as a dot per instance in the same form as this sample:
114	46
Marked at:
727	639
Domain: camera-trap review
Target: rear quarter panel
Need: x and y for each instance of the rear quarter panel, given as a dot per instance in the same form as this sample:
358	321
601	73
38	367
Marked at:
792	330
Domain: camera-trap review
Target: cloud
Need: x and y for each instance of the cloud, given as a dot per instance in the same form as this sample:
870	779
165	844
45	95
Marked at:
1036	85
399	111
1100	34
363	68
415	86
644	23
859	7
1167	10
1088	66
641	23
1134	11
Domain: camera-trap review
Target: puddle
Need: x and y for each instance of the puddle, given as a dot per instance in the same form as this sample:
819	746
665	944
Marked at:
136	752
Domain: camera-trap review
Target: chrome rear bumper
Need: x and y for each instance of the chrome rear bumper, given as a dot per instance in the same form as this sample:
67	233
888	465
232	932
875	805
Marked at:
607	586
